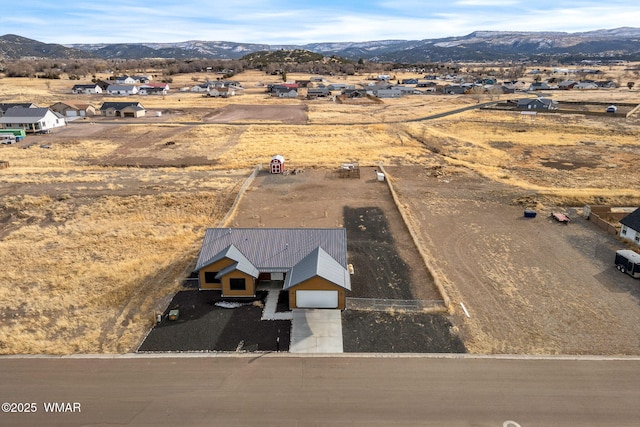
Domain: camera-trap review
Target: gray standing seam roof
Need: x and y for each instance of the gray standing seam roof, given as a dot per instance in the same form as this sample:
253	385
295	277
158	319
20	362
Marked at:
274	249
24	113
318	263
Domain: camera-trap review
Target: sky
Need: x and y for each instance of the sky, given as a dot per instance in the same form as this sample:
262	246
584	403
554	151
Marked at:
301	21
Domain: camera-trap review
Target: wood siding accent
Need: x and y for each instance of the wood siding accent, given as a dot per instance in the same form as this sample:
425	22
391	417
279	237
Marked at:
216	266
249	291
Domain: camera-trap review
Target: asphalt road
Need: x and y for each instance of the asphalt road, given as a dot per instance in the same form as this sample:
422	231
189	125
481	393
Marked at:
303	391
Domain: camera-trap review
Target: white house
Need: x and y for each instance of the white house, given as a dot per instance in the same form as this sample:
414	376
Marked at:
123	90
631	227
125	80
86	89
32	120
153	89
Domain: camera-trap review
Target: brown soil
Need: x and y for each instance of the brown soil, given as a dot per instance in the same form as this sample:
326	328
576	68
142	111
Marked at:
286	114
385	259
530	285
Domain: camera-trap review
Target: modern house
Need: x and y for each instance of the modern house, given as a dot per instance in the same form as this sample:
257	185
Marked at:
538	104
631	227
89	89
73	109
309	263
34	120
153	89
123	90
122	109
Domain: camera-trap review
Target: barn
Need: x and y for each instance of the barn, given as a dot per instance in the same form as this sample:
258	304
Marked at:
277	164
309	263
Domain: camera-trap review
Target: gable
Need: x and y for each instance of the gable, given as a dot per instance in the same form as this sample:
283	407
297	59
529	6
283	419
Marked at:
318	264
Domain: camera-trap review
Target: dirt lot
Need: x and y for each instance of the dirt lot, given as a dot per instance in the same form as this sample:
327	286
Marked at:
379	246
531	286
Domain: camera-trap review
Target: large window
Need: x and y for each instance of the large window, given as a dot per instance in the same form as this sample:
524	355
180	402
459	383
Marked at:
237	284
210	277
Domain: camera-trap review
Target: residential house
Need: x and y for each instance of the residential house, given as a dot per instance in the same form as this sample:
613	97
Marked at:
318	92
309	263
393	92
340	86
355	93
222	92
412	81
125	80
202	87
122	109
538	104
72	109
153	89
630	229
4	107
586	86
567	84
122	90
539	86
286	93
34	120
87	89
607	84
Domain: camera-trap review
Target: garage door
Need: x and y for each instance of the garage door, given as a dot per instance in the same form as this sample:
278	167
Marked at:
317	299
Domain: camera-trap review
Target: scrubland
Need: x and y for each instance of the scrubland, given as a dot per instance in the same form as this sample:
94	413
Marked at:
92	247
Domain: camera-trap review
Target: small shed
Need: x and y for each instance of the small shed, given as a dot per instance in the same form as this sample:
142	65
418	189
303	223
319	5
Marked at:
277	164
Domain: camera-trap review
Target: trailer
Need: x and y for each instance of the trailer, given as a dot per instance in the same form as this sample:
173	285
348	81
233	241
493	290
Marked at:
18	133
628	261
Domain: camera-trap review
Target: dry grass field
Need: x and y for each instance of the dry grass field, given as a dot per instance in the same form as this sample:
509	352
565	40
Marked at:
99	229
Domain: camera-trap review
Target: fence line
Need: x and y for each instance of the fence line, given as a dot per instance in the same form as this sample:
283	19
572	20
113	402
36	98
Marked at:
424	254
234	206
403	305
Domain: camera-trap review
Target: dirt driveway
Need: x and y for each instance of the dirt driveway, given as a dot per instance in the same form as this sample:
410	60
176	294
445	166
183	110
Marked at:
531	286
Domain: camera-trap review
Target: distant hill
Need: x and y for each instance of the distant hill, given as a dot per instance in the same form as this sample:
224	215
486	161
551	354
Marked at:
17	47
299	56
619	43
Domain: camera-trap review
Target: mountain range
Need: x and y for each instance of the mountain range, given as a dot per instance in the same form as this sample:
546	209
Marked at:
610	44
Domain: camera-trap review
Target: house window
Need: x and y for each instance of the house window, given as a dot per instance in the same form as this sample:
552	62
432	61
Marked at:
237	284
210	277
624	230
637	239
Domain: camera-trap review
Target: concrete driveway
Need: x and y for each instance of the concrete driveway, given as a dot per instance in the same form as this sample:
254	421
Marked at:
316	331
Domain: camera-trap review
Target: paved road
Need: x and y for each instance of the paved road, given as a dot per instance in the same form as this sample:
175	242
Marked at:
302	391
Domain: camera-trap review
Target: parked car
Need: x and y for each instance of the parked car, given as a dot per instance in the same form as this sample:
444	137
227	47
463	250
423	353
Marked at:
8	139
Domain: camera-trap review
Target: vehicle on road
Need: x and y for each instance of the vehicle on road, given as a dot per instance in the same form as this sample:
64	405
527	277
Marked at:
628	262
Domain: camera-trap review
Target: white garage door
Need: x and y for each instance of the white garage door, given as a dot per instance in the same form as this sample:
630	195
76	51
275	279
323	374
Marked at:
317	299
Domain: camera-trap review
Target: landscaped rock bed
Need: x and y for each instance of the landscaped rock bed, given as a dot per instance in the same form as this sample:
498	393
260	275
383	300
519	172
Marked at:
385	332
204	326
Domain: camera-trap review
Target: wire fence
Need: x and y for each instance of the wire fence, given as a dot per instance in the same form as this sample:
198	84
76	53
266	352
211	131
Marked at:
397	305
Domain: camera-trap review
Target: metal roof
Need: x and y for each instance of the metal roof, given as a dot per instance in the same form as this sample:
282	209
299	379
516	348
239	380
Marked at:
318	263
24	115
274	249
119	105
